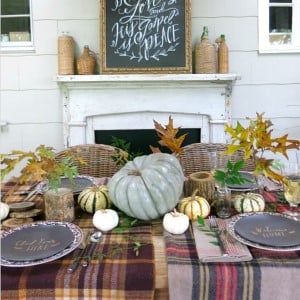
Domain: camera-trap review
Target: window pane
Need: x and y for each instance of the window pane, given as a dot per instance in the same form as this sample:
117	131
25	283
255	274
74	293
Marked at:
280	1
18	29
280	39
14	7
280	19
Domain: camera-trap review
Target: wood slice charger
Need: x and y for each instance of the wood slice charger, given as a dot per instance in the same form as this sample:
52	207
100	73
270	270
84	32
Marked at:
21	206
21	213
25	214
14	222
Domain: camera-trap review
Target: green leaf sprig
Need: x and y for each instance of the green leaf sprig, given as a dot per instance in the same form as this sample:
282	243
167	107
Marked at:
231	175
123	151
208	232
135	245
126	222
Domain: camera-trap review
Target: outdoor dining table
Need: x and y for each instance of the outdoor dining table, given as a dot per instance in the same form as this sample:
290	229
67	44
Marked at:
165	267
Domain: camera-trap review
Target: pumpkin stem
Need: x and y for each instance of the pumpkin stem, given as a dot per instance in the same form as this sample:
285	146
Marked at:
194	194
175	213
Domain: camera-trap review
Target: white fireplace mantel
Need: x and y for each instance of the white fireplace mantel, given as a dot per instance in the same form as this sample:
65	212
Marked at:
132	101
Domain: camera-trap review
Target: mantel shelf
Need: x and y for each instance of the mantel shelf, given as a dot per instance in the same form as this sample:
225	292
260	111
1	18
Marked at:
144	78
132	101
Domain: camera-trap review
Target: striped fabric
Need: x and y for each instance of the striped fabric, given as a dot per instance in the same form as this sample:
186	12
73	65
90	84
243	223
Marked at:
12	193
122	275
270	275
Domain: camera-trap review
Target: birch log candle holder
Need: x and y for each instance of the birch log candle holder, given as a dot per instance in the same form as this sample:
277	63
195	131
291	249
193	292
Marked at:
59	205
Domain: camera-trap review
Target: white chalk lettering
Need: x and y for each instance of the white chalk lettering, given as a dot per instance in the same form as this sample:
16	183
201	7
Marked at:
145	29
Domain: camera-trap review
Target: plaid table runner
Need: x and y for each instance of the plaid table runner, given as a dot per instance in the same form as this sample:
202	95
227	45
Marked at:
270	275
13	193
121	275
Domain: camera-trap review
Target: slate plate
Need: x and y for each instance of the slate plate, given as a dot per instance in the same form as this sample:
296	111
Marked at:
39	242
80	183
270	231
244	186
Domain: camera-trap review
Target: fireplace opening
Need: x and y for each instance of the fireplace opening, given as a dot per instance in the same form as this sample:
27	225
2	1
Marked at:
140	139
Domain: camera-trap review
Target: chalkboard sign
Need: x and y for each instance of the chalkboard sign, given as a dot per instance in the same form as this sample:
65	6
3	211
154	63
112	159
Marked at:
145	36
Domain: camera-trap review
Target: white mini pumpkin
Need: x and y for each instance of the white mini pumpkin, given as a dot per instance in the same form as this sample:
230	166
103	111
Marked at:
176	222
4	210
147	187
94	198
249	202
106	219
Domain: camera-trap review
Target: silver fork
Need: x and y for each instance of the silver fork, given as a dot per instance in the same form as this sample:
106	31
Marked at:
215	228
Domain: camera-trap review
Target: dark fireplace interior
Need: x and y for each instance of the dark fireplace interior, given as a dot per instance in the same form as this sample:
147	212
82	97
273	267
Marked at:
140	139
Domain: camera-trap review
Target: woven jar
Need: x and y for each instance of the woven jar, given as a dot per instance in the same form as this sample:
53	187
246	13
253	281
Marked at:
223	53
86	62
205	55
65	55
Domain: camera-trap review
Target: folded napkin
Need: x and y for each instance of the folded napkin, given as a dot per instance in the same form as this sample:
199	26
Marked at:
209	251
102	180
271	185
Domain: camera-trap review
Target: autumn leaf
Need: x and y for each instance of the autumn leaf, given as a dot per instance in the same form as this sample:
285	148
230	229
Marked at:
33	172
39	165
168	137
255	140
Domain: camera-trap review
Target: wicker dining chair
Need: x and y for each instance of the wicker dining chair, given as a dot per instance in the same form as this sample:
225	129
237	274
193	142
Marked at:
97	159
195	157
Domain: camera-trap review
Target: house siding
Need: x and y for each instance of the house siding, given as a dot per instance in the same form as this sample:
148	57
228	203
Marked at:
30	99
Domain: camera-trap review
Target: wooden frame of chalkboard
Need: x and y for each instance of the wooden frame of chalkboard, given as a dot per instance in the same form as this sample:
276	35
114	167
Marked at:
145	36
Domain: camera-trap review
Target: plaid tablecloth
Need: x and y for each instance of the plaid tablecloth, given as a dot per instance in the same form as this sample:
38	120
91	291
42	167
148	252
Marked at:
270	275
123	275
13	193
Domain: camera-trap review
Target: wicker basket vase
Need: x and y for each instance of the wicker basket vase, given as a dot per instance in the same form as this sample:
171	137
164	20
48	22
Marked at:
205	55
86	62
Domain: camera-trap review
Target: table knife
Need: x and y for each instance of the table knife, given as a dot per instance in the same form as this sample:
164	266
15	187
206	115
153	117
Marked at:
82	247
95	238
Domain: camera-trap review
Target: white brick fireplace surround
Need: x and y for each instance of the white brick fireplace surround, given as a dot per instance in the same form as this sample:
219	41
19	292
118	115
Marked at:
112	102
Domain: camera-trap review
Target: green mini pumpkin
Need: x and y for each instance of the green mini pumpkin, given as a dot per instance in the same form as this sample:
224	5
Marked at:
94	198
147	187
249	202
